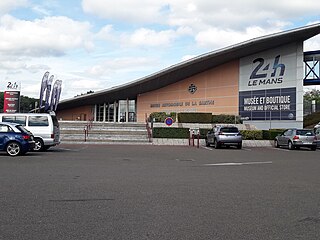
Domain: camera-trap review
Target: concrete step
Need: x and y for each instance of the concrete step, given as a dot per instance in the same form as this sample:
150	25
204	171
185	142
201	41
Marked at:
103	132
103	137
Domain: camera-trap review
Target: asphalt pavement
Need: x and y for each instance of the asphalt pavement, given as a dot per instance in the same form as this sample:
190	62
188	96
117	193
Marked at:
160	192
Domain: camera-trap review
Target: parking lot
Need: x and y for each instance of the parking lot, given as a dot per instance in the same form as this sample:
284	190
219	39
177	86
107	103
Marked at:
160	192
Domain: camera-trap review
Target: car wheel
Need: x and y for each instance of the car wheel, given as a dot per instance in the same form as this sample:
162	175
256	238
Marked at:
216	144
290	145
313	148
38	146
276	143
239	146
13	149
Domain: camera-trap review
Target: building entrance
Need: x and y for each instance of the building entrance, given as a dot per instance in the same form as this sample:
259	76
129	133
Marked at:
121	111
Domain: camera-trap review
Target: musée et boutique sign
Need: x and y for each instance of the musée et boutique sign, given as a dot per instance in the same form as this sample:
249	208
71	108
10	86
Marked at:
267	86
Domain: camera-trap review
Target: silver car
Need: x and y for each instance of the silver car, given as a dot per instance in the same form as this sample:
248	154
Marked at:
224	135
296	138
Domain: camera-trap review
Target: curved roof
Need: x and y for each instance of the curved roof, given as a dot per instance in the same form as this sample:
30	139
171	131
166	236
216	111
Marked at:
192	67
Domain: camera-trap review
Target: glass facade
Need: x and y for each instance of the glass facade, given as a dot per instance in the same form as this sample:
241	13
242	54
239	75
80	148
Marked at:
121	111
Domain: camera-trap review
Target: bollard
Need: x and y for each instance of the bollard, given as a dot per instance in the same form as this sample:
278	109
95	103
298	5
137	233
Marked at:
193	140
198	142
85	134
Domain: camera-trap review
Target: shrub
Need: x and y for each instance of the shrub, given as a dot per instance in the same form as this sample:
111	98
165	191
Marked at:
170	132
183	133
194	117
161	116
311	119
252	134
223	118
271	134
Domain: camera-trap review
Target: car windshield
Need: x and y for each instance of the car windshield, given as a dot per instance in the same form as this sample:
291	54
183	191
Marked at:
305	133
229	129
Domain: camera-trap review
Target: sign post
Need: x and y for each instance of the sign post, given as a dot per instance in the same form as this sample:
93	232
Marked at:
11	97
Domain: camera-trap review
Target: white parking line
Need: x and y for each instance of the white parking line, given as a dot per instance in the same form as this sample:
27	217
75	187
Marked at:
236	164
211	148
282	149
208	148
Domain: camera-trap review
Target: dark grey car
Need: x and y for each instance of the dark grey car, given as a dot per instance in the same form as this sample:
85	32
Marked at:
224	135
296	138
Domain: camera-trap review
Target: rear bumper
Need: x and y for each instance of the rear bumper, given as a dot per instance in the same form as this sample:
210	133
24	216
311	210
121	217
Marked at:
301	144
234	140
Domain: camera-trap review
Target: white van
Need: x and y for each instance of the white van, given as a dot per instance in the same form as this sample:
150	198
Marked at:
44	127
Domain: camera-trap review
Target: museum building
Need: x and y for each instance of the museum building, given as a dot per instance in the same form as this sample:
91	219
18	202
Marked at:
260	80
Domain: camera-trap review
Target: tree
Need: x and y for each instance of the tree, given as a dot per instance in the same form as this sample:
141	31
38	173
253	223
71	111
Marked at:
308	97
314	94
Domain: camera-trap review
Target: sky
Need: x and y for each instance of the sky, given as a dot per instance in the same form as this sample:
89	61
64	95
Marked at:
93	45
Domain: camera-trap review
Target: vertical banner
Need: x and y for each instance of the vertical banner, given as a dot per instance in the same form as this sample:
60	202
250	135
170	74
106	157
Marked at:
55	95
43	88
11	97
48	91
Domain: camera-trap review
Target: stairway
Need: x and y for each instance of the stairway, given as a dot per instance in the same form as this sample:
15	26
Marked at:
103	133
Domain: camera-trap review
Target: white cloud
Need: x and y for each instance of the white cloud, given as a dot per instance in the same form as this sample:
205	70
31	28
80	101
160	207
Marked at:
213	23
125	64
149	37
199	14
50	36
141	37
214	38
132	11
7	5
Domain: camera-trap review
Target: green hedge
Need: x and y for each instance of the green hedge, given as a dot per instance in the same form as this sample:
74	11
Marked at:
223	118
170	132
271	134
194	117
161	116
252	134
183	133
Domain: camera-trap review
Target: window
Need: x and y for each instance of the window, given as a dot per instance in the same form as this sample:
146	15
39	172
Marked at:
15	119
304	132
4	128
38	121
230	130
288	132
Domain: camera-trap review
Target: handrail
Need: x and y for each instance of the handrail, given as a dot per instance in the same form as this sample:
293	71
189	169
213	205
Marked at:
87	127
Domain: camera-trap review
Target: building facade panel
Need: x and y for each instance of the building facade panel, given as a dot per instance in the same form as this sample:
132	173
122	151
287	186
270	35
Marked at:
214	91
83	113
270	87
